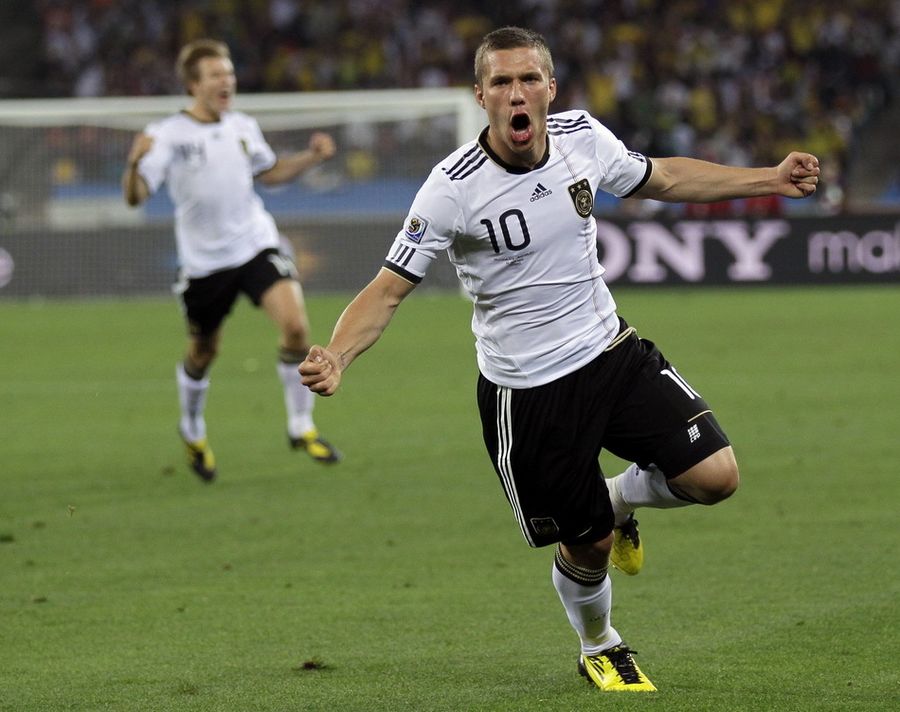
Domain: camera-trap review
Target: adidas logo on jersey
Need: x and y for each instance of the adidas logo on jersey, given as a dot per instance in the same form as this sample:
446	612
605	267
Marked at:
540	192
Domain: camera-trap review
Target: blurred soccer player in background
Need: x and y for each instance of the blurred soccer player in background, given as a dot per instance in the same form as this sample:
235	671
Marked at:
561	374
228	244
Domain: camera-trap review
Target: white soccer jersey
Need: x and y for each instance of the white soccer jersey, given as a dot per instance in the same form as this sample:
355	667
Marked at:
524	246
220	220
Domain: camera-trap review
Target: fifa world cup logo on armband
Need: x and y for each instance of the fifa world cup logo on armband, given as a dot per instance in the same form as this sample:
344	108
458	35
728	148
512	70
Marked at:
415	229
582	197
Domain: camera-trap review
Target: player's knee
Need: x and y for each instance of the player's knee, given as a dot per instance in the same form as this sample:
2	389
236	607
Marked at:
589	555
207	352
202	353
713	480
722	484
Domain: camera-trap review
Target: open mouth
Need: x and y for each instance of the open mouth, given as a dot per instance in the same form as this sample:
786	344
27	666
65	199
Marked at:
521	128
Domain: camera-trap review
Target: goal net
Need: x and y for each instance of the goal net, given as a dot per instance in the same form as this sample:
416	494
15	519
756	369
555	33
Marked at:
65	229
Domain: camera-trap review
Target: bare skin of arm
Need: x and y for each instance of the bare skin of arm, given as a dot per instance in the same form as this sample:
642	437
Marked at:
134	187
286	168
359	327
689	180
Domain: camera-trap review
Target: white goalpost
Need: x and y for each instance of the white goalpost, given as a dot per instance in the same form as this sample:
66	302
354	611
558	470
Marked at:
65	229
274	111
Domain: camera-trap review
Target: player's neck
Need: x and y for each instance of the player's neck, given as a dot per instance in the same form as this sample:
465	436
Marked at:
202	113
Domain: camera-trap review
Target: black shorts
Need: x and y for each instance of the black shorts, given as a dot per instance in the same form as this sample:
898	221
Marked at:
545	442
206	301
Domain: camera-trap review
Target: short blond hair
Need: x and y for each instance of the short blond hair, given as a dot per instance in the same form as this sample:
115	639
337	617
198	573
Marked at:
186	66
511	38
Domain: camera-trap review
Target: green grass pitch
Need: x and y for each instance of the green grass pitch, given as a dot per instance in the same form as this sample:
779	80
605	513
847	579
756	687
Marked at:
398	580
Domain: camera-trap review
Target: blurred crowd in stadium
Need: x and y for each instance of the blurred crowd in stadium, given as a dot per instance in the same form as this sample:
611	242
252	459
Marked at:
737	82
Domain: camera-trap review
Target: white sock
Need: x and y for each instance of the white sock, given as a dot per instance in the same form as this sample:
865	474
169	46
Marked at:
192	399
588	609
298	400
640	488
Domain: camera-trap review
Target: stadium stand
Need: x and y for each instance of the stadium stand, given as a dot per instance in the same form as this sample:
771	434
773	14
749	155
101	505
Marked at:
734	82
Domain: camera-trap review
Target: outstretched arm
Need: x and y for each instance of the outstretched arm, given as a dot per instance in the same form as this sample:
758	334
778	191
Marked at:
688	180
360	326
286	168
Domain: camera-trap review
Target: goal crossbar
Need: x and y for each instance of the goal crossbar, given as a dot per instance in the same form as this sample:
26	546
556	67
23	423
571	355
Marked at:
276	110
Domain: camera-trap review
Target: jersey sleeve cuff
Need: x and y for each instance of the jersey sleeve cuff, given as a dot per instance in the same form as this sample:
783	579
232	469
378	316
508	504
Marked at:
642	181
402	273
269	167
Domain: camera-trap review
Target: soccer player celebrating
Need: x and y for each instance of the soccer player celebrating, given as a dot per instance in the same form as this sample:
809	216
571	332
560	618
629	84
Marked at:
227	242
561	374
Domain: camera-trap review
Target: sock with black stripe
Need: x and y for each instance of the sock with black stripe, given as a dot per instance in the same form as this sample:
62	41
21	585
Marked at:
586	594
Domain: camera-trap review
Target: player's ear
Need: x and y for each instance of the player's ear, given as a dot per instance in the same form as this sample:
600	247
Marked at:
479	96
552	88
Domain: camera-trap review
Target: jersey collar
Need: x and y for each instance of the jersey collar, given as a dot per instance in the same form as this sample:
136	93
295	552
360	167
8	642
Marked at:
193	117
483	142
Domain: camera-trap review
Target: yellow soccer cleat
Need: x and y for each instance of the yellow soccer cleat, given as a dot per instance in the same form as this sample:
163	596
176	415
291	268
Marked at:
614	670
201	458
318	449
627	553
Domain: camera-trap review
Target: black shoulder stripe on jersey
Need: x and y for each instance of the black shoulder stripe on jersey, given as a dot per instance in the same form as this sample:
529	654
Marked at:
557	126
574	129
642	181
471	170
560	121
471	161
467	169
400	272
465	159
